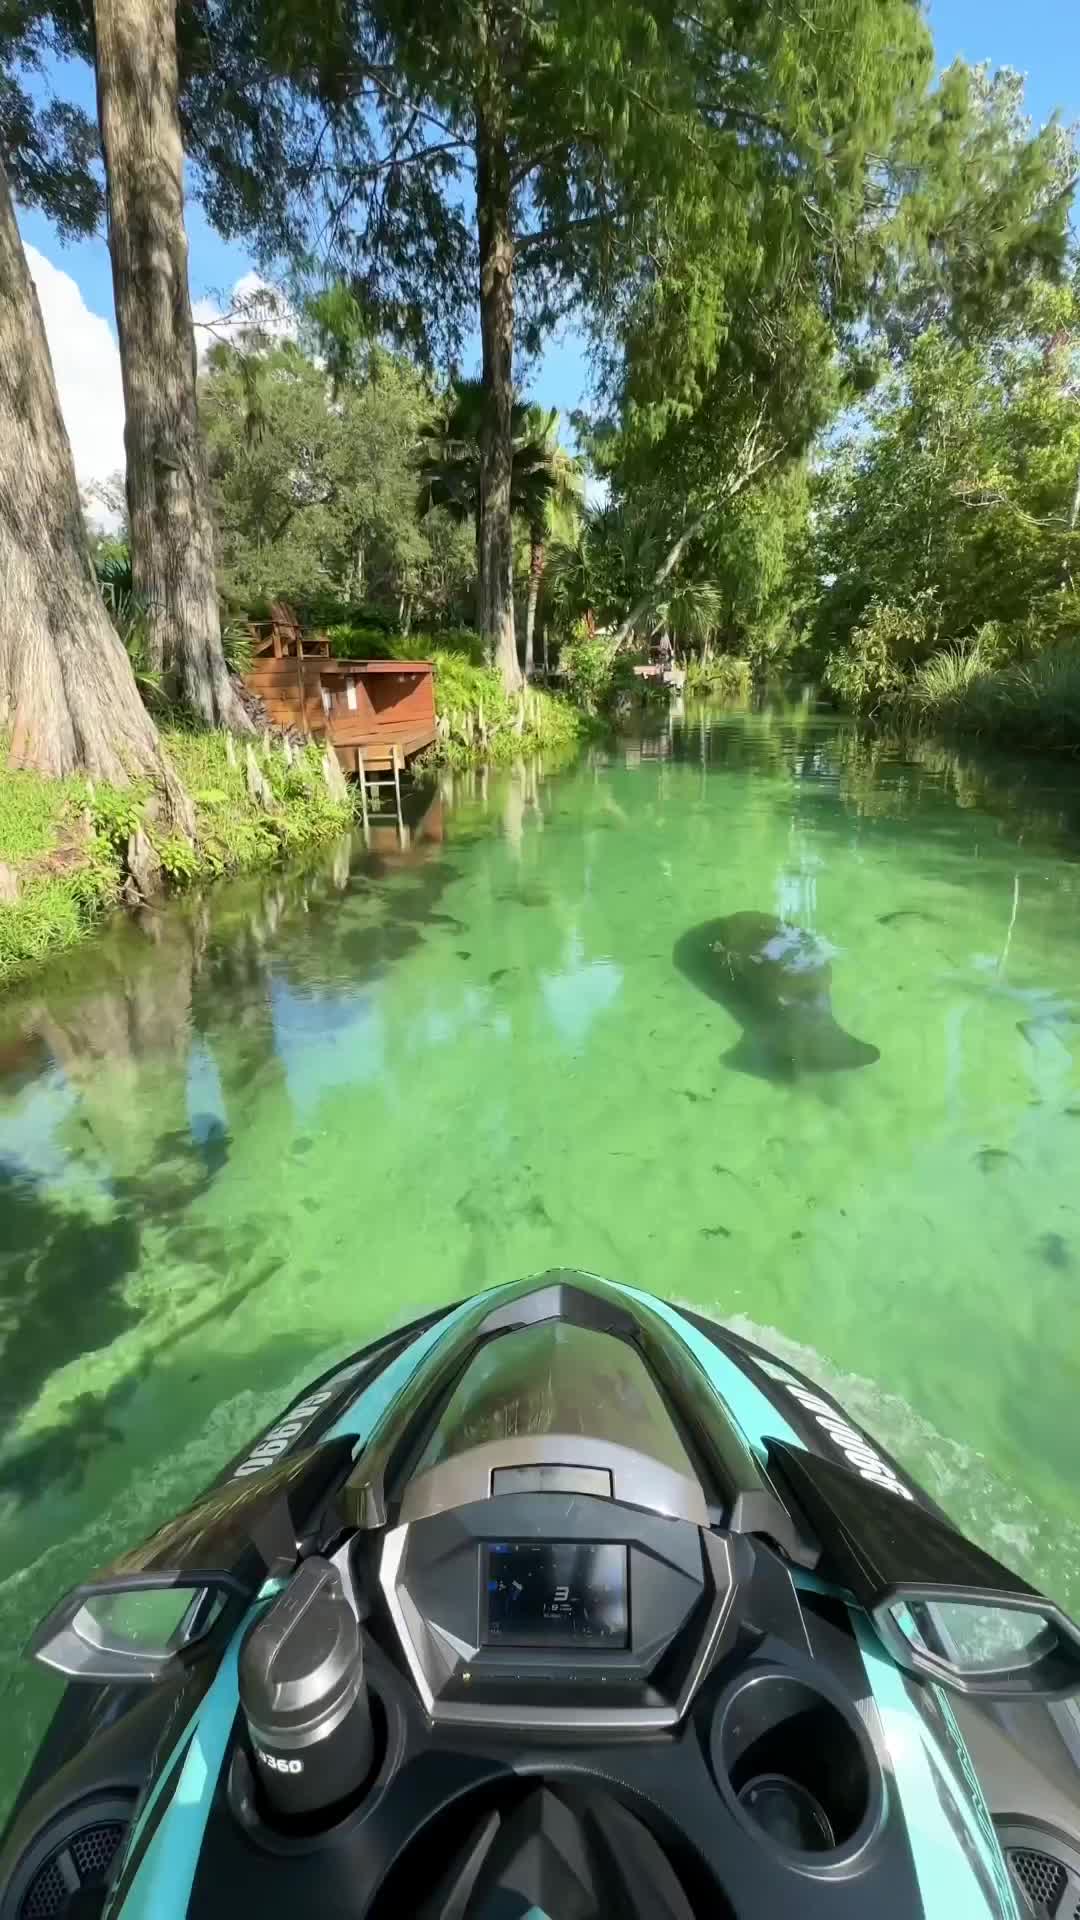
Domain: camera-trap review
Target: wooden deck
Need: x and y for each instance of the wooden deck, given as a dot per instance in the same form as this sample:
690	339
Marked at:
670	676
364	709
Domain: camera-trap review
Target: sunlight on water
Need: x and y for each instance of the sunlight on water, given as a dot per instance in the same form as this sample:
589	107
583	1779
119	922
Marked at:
249	1134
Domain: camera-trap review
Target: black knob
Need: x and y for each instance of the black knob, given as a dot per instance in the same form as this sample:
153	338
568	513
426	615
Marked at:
304	1696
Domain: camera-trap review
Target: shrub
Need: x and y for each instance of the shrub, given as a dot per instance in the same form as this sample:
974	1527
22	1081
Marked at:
727	675
350	641
946	678
599	675
874	668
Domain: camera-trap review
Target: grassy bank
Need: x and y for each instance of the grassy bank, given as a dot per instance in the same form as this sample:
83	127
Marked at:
64	845
478	722
1032	704
1010	685
65	842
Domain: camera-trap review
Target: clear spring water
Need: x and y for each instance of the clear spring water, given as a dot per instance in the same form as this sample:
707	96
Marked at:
244	1136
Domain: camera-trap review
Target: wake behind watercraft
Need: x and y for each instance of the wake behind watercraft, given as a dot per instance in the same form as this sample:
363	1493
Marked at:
558	1602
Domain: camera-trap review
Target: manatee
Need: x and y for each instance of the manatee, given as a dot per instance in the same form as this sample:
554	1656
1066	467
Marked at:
774	979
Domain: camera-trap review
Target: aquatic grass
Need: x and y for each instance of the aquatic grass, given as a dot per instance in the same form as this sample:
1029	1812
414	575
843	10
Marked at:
1035	704
53	912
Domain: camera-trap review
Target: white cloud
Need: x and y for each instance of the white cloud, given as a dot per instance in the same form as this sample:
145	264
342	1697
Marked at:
253	303
86	362
86	358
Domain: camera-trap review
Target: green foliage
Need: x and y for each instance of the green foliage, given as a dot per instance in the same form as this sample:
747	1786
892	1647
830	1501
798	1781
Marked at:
116	812
59	901
237	644
320	611
1033	704
964	484
480	722
52	913
231	832
351	642
112	564
946	681
49	148
592	670
875	668
315	489
449	464
723	675
127	610
54	905
31	810
947	532
179	860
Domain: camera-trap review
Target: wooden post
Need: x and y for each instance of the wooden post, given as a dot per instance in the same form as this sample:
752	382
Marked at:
301	691
362	777
395	755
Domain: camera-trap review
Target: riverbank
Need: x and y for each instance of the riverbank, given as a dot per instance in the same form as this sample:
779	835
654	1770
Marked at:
1034	705
479	723
71	850
1031	705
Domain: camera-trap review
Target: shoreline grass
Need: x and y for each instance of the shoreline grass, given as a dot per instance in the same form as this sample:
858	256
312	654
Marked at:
66	841
1032	705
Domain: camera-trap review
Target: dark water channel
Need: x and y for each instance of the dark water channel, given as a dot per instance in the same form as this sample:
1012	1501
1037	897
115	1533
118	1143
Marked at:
245	1134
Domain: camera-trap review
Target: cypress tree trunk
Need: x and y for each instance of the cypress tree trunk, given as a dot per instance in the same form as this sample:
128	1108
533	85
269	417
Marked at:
172	539
537	557
67	691
496	549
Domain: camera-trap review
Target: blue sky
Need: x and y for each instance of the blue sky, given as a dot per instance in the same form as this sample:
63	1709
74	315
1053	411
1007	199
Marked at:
1039	37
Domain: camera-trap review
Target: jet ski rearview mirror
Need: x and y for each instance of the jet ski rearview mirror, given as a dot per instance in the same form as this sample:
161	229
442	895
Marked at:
130	1631
135	1617
999	1645
943	1607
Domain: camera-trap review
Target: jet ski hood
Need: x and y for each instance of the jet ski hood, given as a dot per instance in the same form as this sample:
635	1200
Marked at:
562	1600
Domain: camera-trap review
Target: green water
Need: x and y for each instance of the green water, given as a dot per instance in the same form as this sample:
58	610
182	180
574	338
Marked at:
246	1135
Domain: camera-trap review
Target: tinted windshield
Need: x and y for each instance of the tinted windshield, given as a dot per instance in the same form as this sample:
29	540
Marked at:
553	1379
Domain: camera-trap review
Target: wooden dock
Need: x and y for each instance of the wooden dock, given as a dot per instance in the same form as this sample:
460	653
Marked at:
376	714
667	676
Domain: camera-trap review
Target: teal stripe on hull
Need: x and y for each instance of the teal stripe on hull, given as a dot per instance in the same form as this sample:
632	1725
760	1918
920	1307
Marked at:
948	1883
162	1886
744	1403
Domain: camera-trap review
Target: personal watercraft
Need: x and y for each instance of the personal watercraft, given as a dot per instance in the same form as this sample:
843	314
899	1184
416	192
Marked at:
561	1602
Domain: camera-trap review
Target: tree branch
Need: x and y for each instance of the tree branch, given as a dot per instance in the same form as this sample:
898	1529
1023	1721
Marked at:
749	468
524	243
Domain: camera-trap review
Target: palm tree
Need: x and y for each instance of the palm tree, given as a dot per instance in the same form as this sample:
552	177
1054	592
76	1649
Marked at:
544	474
551	492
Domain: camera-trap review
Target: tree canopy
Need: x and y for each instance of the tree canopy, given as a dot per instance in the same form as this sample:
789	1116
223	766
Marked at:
315	482
686	183
952	509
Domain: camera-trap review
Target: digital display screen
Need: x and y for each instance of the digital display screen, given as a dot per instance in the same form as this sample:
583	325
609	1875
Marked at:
555	1593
